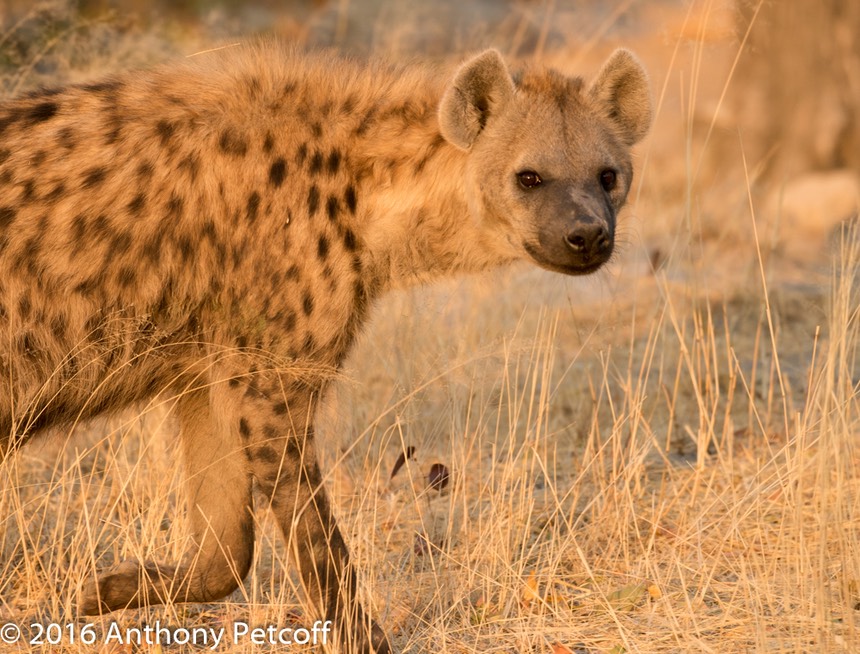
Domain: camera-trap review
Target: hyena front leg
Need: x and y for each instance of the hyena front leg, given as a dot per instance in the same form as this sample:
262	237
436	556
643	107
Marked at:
277	423
218	495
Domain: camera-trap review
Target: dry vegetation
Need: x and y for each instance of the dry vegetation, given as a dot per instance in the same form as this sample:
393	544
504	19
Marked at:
661	458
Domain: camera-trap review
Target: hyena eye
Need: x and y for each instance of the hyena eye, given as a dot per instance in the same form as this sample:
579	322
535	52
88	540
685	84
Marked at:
608	178
529	179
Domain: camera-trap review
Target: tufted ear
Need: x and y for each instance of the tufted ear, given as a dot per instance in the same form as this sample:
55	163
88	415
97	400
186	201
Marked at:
622	87
480	89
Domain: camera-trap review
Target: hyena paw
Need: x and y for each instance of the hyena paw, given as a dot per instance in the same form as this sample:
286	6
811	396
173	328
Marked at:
119	587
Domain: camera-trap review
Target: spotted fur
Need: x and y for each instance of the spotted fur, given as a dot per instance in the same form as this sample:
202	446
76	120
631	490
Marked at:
217	231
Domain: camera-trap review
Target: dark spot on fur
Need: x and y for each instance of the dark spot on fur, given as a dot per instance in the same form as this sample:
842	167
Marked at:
253	207
348	104
301	154
185	247
7	217
316	128
313	477
277	172
366	121
268	143
145	170
174	207
191	165
316	163
238	253
79	230
279	408
350	199
267	454
331	208
309	344
9	119
58	327
322	247
136	205
101	226
165	131
308	303
244	429
208	231
87	286
232	144
333	162
44	92
41	112
66	137
102	87
120	244
359	292
349	241
56	193
28	193
94	176
253	85
27	256
313	200
24	307
290	321
27	343
127	276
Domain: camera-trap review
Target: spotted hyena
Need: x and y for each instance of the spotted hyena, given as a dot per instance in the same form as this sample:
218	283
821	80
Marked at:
216	231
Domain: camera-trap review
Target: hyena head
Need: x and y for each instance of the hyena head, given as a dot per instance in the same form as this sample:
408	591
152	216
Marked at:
549	158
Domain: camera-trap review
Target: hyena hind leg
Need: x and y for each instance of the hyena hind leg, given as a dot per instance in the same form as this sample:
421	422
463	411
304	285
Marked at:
284	463
218	491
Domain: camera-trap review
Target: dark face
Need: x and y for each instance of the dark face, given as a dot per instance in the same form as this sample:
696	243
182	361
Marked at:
576	218
554	173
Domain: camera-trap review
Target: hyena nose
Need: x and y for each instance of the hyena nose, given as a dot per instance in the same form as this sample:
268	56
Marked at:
589	238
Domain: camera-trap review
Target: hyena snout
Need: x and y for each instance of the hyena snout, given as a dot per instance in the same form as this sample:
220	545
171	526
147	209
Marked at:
575	245
590	239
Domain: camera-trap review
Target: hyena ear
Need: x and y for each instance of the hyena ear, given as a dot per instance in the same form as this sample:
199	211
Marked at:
621	87
480	89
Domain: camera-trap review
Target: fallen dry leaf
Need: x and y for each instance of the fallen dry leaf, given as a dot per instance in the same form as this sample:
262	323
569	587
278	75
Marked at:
438	476
530	590
627	598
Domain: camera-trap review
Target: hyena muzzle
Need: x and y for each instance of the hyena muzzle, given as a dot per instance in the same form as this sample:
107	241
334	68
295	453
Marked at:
215	232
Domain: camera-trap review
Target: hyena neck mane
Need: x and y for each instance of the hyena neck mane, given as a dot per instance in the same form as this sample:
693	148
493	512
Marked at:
419	226
413	212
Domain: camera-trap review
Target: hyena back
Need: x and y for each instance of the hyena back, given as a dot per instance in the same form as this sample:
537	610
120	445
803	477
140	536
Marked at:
216	232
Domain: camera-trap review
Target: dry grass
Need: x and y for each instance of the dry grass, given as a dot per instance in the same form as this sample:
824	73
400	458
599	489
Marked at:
640	462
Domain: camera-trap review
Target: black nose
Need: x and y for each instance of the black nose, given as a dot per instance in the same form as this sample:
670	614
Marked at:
589	238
